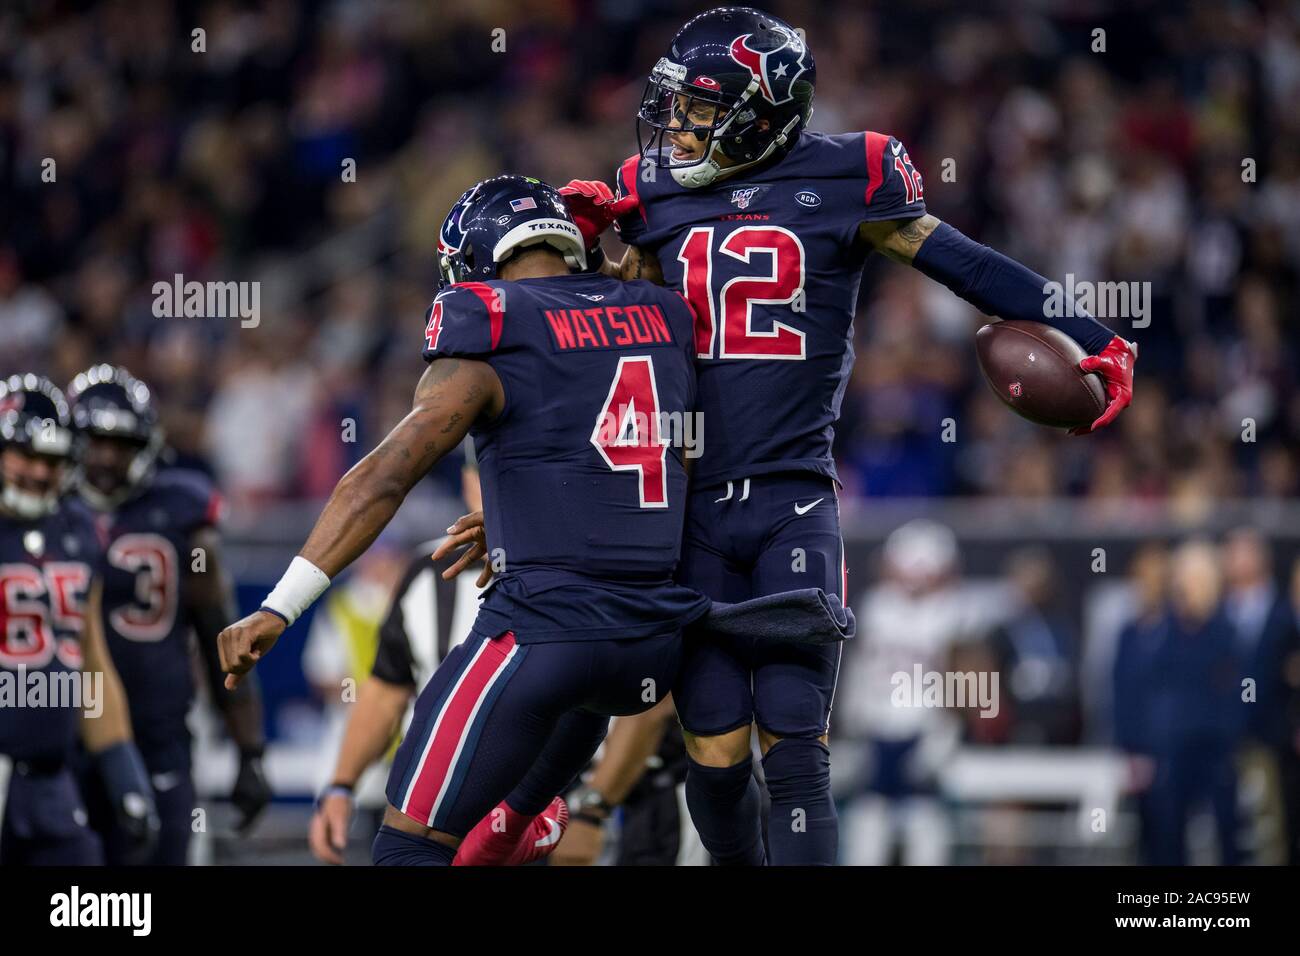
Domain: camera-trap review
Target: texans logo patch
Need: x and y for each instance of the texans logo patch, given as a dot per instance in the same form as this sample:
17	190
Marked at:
775	69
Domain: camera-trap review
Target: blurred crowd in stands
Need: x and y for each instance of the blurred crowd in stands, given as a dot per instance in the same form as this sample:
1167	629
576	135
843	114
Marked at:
1190	668
315	148
1171	156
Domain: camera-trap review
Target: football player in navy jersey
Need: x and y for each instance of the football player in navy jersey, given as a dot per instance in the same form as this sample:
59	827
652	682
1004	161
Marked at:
164	584
57	680
765	226
572	385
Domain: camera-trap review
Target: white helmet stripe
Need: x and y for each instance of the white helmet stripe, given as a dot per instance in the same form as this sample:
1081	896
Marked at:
564	235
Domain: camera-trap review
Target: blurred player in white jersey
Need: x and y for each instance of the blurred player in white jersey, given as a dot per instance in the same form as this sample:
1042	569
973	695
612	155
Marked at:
914	616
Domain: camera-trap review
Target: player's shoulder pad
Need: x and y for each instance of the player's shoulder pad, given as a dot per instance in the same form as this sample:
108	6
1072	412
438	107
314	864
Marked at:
893	187
628	181
190	496
466	319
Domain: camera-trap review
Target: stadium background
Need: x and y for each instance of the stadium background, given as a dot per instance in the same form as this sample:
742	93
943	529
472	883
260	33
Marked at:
1126	164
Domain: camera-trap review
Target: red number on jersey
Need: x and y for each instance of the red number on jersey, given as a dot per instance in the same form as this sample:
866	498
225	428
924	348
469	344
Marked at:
151	558
911	177
26	639
69	583
434	328
627	429
783	285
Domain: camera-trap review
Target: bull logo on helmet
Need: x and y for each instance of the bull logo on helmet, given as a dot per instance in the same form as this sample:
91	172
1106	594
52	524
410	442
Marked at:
776	69
452	236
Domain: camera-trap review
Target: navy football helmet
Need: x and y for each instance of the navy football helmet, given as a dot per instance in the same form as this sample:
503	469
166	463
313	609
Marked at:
747	66
109	402
496	218
34	416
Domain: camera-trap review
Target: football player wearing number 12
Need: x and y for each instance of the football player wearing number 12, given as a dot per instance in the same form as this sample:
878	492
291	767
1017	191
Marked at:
765	226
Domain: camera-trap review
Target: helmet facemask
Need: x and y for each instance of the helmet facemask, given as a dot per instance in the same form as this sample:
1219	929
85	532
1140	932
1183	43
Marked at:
731	132
35	422
143	464
755	70
48	440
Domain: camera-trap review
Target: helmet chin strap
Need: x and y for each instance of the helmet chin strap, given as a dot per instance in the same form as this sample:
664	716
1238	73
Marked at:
141	468
100	501
709	170
27	505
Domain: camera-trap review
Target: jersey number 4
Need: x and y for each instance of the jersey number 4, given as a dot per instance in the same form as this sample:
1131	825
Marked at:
730	320
628	431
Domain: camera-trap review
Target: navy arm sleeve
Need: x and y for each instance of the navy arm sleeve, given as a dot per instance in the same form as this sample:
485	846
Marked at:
1000	286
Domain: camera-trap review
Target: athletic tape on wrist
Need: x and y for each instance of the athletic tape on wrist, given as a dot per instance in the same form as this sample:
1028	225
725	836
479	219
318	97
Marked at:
302	584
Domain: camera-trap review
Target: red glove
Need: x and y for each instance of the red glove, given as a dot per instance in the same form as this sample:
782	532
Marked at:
593	207
1115	366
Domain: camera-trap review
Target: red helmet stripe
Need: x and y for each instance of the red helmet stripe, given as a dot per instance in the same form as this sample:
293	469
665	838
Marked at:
752	60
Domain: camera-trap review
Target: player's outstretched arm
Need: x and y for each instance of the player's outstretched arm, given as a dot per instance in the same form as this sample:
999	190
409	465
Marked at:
370	729
452	393
1002	287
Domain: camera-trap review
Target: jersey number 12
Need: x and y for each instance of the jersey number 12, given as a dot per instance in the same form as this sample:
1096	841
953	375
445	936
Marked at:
730	324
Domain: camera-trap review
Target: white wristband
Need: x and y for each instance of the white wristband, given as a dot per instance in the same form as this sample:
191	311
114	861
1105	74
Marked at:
302	584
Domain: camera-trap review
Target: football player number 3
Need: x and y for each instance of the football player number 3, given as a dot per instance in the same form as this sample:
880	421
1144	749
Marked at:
627	432
151	559
725	326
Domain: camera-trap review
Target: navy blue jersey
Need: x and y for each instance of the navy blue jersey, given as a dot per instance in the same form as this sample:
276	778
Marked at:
582	481
771	262
47	568
145	617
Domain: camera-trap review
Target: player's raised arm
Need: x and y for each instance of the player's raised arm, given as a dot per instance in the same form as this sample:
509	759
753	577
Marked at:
452	393
1000	286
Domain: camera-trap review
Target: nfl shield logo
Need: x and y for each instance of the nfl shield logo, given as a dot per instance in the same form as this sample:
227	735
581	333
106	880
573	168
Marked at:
519	205
741	197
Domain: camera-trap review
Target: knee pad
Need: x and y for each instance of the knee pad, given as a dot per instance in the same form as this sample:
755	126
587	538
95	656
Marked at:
797	768
722	780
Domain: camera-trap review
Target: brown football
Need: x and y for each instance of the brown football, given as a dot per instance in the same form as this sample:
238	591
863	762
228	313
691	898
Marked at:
1034	369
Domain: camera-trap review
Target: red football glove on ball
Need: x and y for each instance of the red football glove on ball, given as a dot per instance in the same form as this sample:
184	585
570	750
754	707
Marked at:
1115	366
593	207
